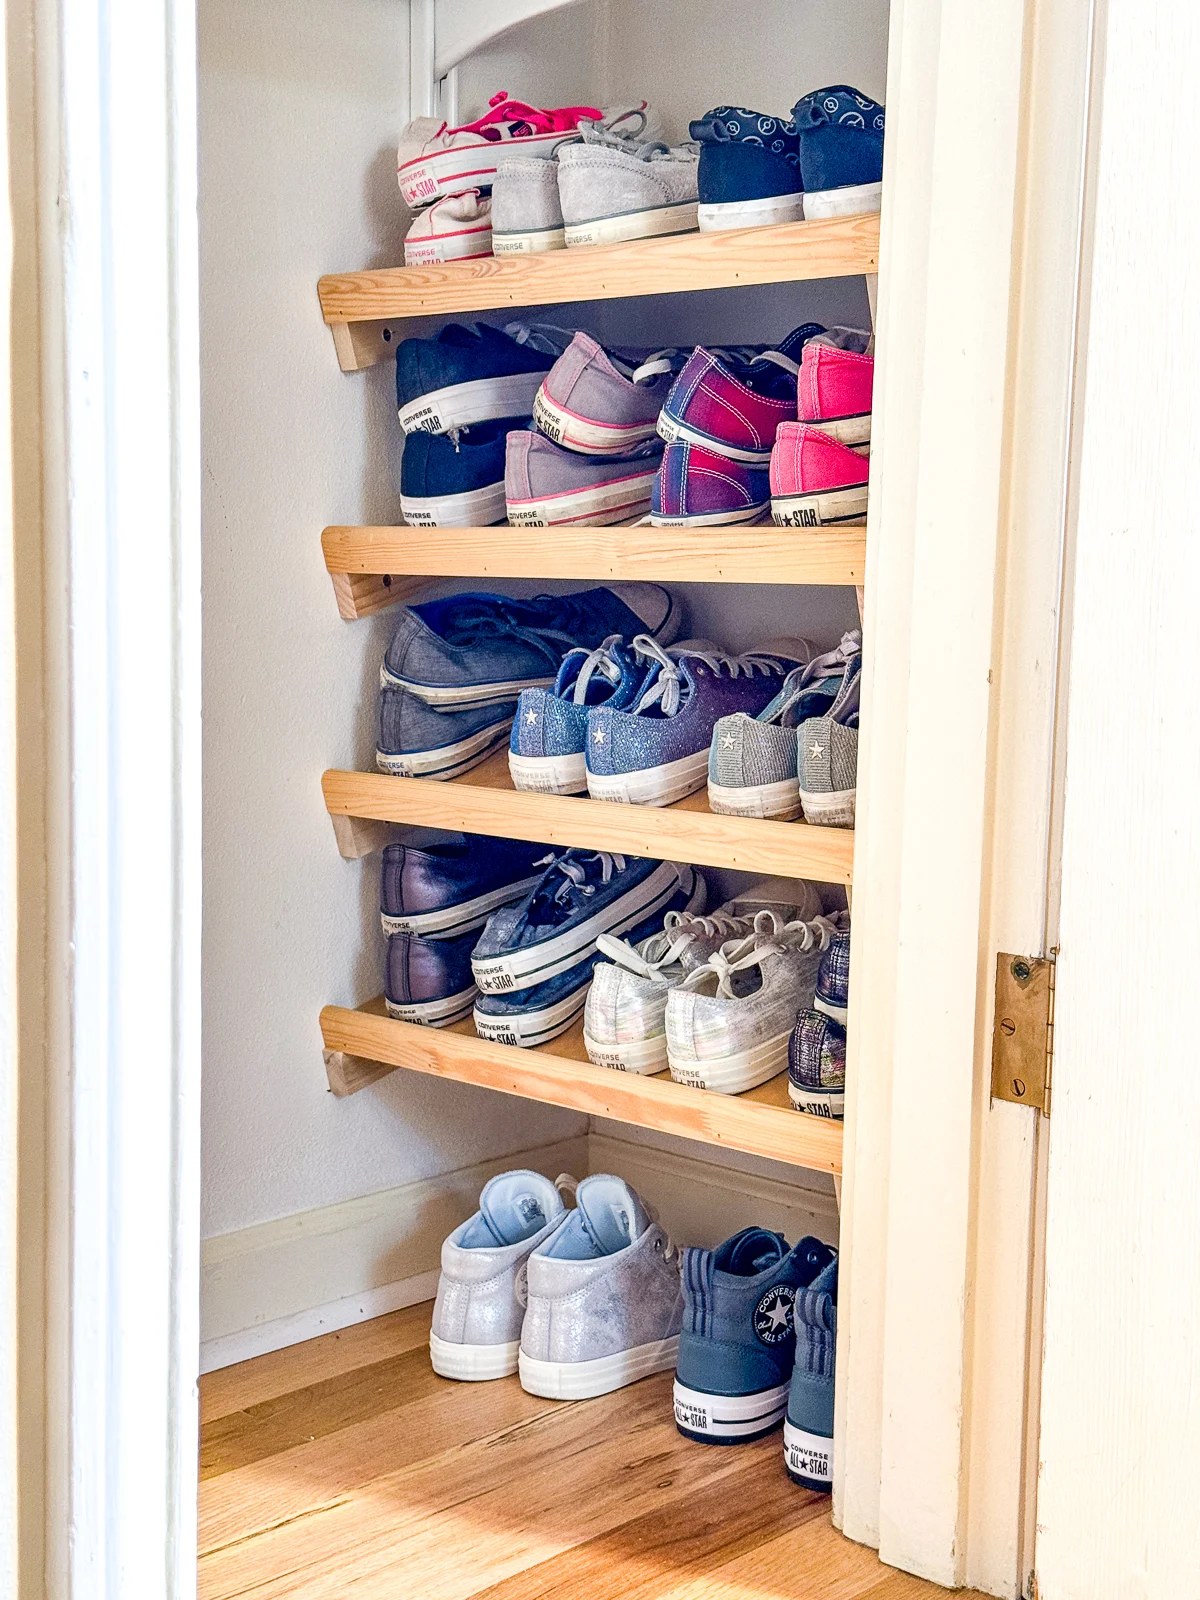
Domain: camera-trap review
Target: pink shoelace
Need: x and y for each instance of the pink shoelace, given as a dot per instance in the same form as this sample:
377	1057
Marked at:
502	109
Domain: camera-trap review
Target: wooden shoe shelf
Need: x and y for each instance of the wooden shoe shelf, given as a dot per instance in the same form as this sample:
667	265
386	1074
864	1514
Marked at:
375	567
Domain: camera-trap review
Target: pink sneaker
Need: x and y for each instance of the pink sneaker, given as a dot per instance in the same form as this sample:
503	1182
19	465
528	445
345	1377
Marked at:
435	160
454	229
837	373
815	481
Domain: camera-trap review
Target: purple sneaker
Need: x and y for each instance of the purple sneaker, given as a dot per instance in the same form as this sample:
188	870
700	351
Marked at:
657	752
604	402
696	487
733	401
544	485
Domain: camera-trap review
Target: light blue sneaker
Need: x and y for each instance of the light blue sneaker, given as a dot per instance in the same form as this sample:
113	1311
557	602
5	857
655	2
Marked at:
808	1429
737	1348
547	752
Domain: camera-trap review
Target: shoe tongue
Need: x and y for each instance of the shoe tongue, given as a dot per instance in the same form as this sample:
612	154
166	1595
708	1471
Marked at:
610	1213
516	1205
750	1252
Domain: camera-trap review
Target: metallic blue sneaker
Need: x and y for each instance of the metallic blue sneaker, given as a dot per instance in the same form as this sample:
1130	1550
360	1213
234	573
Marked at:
468	375
547	752
737	1348
440	891
554	929
475	649
808	1428
416	741
429	980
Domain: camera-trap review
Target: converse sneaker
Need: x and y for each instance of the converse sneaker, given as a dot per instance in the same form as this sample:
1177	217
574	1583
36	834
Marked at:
612	189
604	402
837	376
815	481
827	753
418	741
468	375
455	228
434	159
545	485
428	981
817	1065
841	151
733	401
440	891
808	1426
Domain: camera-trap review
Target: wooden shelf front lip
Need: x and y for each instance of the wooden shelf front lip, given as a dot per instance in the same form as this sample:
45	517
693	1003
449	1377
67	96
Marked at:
730	1120
672	833
835	248
691	555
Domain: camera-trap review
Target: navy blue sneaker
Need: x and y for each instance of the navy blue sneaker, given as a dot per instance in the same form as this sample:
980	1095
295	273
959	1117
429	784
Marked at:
547	751
440	891
749	173
808	1428
429	980
415	741
469	375
476	649
582	895
841	151
455	482
738	1344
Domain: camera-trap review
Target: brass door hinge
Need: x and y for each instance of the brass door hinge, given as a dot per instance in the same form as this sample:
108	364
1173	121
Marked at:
1023	1030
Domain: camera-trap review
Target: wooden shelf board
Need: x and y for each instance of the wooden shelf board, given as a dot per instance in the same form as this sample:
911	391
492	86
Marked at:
360	306
762	1122
373	568
484	801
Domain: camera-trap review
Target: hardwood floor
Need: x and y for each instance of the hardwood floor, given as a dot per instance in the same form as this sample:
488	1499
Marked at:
345	1467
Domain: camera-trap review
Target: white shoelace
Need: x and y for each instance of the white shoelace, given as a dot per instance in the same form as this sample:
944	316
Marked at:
667	689
770	935
575	873
680	931
598	661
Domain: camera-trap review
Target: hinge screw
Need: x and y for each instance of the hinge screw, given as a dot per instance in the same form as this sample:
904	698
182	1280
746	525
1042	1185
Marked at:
1008	1026
1018	1086
1021	970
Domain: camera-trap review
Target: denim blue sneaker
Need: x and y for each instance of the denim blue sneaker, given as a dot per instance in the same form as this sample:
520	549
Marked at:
442	890
549	734
455	482
808	1427
841	151
749	169
475	649
470	375
417	741
738	1344
554	929
657	751
429	980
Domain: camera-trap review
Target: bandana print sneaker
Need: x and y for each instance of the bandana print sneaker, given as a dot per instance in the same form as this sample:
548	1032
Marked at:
547	752
817	1065
808	1427
697	488
417	741
612	189
545	485
816	482
440	891
738	1342
734	401
428	981
476	1330
468	375
604	402
749	173
454	480
604	1300
837	375
434	159
841	151
454	229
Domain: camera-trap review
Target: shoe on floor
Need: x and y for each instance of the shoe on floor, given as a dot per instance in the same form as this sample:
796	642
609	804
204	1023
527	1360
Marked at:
455	480
696	488
604	1299
428	981
738	1342
817	1065
455	228
547	750
545	485
837	375
749	175
808	1426
613	189
815	481
841	151
469	375
733	401
434	159
417	741
604	402
440	891
476	1330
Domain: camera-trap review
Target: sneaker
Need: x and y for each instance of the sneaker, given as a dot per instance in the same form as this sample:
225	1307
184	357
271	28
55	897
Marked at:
440	891
544	485
417	741
434	160
604	1305
808	1426
749	174
841	151
476	1330
815	481
657	752
833	980
454	481
733	401
753	762
455	228
827	759
837	375
580	896
604	402
468	375
817	1065
696	488
476	649
738	1342
612	189
729	1021
547	751
428	981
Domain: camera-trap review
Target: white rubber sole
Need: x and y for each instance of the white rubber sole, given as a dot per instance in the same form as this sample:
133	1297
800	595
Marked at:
840	1014
466	245
779	800
680	218
729	1418
583	435
711	519
442	172
829	808
827	1103
764	213
854	432
549	774
673	431
472	1363
532	1028
640	1056
651	786
832	508
474	508
808	1458
448	760
621	500
854	199
734	1074
459	405
584	1380
450	921
532	243
434	1013
462	696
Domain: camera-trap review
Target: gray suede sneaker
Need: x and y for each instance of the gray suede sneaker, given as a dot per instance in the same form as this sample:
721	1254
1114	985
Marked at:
526	215
605	1304
613	189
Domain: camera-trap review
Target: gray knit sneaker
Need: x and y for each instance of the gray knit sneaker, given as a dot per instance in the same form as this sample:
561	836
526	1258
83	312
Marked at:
612	189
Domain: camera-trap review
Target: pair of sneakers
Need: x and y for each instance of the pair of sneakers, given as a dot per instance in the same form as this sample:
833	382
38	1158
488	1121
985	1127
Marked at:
578	1301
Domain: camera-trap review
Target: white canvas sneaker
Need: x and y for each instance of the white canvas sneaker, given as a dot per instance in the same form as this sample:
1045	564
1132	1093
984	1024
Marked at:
455	228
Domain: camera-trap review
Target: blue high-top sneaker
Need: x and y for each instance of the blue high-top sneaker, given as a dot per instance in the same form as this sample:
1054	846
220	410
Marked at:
808	1430
737	1348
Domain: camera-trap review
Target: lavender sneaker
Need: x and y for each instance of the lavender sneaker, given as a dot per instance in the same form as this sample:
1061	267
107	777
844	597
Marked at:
544	485
697	488
604	402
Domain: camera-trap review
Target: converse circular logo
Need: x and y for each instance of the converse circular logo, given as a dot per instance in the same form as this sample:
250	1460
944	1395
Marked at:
773	1314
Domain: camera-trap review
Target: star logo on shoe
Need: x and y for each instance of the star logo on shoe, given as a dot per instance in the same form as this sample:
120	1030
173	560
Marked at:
816	750
598	736
773	1314
531	717
727	741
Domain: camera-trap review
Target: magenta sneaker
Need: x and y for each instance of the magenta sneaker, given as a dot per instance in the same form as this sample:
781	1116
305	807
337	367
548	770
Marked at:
604	402
435	160
837	373
544	485
733	401
815	481
697	488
